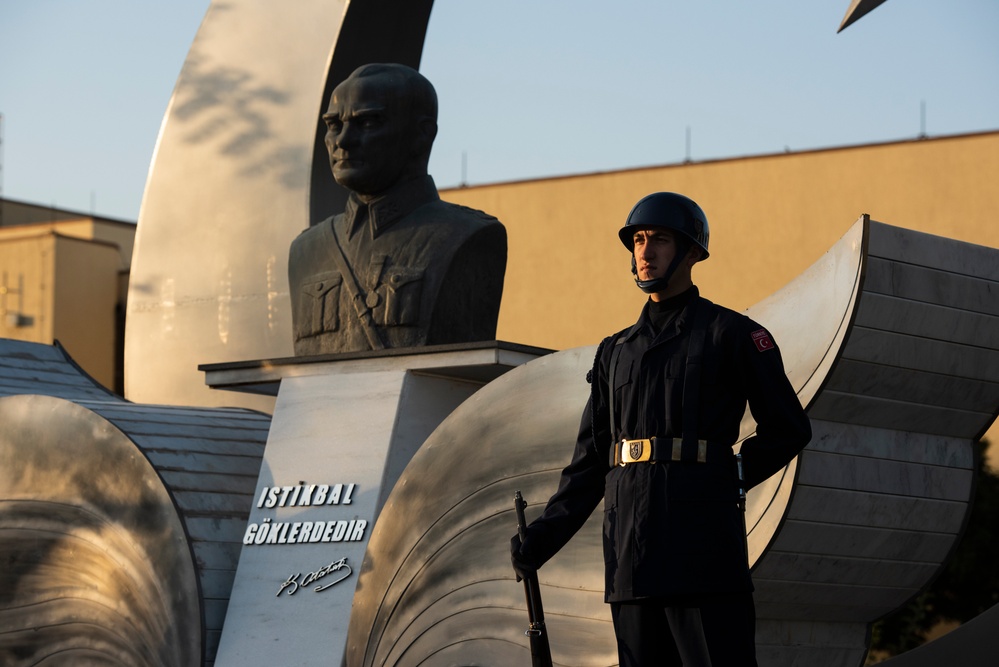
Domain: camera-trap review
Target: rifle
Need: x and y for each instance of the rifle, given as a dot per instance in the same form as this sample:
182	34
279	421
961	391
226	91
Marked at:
541	652
742	503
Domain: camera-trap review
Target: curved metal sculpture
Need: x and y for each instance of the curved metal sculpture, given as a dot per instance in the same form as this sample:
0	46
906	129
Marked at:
94	552
890	341
239	170
120	524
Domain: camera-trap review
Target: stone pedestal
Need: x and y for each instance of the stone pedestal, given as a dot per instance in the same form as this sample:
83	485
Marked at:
344	428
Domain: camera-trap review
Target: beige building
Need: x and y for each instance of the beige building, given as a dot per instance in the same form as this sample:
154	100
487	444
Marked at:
568	280
64	277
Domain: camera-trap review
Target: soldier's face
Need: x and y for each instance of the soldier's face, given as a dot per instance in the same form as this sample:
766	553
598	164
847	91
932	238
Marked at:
369	137
654	250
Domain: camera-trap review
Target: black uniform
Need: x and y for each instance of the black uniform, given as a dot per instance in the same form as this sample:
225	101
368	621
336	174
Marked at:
673	529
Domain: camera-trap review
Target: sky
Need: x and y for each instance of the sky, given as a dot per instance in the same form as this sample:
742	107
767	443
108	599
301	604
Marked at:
527	88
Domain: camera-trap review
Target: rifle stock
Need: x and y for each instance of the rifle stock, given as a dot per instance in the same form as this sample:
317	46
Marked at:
541	652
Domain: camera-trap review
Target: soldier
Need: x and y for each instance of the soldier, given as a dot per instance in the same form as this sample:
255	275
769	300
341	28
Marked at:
400	267
667	397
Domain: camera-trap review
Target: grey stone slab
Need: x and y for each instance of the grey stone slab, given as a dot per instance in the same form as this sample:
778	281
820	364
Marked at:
927	320
200	481
834	602
69	392
890	414
922	354
846	570
154	420
211	645
920	283
791	631
225	503
832	539
217	584
809	656
186	460
45	373
215	613
902	384
33	383
216	555
844	471
907	245
194	414
128	413
223	447
216	528
891	444
856	508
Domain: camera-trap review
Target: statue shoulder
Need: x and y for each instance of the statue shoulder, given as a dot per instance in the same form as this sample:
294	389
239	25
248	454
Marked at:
310	248
312	232
457	214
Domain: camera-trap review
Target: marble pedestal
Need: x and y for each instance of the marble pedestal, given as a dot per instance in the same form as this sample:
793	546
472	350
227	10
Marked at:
344	428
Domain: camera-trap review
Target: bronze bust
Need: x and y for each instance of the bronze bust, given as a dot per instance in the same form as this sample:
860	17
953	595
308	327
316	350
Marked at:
399	267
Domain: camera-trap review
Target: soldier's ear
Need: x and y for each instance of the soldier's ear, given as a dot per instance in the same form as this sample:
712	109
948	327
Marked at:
694	255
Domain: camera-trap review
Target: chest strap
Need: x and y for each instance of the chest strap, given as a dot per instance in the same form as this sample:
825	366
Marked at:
357	296
692	378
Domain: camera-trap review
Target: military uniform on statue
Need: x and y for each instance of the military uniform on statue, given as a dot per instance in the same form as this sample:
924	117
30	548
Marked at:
393	273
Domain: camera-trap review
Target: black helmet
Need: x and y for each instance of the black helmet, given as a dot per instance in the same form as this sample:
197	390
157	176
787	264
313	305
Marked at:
666	210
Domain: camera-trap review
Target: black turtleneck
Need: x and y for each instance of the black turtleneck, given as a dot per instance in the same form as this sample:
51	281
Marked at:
662	313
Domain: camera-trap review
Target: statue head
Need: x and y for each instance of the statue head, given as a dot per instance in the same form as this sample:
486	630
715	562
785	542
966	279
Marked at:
381	125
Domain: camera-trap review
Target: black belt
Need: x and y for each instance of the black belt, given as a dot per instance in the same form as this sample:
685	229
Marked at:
652	450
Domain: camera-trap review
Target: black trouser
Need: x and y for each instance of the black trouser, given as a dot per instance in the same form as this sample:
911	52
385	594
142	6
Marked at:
709	631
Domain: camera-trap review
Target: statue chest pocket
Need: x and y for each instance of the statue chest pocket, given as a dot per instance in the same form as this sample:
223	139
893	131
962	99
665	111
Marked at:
402	289
320	300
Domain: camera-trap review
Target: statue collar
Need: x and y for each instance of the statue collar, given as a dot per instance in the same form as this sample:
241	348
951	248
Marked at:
394	205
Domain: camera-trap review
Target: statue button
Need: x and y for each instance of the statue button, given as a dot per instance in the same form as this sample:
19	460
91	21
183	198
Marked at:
373	299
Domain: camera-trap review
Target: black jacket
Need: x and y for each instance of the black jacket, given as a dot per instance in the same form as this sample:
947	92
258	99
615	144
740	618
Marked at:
674	528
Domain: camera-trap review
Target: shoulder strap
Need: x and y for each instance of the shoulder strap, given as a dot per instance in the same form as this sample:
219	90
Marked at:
692	371
357	296
611	371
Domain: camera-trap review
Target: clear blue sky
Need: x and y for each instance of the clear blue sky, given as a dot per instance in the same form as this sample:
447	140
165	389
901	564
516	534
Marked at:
528	88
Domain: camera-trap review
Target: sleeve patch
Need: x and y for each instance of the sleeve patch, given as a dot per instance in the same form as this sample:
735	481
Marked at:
762	339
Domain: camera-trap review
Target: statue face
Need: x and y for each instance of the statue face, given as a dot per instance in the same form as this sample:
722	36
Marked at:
369	137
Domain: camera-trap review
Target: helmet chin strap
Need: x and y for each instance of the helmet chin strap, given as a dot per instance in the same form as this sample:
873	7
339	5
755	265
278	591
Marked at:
660	284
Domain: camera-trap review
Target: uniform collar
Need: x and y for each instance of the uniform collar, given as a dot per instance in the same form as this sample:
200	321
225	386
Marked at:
391	207
644	327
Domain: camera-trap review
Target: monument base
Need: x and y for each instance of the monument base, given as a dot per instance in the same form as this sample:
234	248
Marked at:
344	428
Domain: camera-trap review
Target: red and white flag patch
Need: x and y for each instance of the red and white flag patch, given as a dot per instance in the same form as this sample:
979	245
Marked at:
763	340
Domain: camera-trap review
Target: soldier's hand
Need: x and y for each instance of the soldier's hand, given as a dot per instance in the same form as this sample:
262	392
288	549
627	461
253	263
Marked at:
522	564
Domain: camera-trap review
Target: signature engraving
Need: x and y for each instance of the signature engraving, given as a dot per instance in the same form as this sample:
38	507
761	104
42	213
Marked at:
293	583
